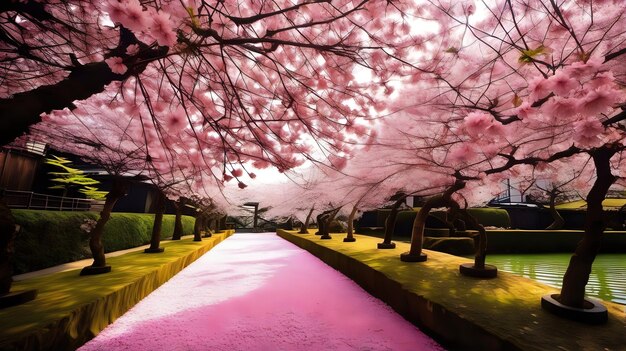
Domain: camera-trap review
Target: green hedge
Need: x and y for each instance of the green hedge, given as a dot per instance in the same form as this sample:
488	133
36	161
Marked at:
540	241
50	238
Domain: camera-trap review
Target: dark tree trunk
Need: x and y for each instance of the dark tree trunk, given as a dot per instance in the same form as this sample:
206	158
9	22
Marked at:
579	269
321	221
480	240
557	220
7	239
390	222
327	220
221	224
350	230
197	228
178	222
305	226
417	234
155	239
209	225
119	189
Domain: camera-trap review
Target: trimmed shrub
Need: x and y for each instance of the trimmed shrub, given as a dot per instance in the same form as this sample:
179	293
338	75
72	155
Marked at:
49	238
488	216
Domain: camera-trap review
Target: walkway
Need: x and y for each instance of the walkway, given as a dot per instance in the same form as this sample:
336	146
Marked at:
259	292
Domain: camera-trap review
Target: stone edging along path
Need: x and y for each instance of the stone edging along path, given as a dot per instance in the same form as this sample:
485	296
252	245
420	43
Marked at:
462	312
70	310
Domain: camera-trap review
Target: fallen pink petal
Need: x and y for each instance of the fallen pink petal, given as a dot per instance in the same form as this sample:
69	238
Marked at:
259	292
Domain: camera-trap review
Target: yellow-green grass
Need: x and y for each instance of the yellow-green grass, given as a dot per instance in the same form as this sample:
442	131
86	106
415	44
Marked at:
618	203
465	313
71	309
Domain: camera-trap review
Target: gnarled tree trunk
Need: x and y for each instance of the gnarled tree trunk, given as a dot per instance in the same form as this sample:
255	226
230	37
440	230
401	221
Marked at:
417	234
321	221
557	220
155	239
350	230
577	275
304	229
178	222
327	221
390	221
197	227
119	189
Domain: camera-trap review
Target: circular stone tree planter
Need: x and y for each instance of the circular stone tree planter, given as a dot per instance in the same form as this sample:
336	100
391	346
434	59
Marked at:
349	240
17	298
409	257
157	250
90	270
469	270
384	246
326	237
592	313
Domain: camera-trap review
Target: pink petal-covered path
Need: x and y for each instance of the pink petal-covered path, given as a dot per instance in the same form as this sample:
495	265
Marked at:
259	292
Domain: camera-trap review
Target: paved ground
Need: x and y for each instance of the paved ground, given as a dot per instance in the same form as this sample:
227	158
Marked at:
259	292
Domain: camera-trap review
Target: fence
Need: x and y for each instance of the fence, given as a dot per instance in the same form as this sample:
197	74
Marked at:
30	200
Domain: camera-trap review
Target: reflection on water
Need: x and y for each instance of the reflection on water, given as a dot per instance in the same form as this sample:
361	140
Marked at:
607	280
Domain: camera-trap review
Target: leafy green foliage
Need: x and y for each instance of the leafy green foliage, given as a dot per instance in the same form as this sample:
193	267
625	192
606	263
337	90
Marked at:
73	177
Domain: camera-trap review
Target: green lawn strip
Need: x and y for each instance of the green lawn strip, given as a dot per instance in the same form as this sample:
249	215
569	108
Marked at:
71	309
507	308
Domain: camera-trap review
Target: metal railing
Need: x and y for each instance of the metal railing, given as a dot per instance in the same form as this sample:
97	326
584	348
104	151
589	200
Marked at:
30	200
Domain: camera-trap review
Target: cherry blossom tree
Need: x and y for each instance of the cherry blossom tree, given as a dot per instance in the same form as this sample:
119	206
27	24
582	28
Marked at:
102	140
530	83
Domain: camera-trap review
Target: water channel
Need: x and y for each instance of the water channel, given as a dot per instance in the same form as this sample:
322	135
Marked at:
607	281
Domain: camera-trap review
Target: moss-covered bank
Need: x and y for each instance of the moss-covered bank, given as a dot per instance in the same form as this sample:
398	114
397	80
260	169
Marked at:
71	309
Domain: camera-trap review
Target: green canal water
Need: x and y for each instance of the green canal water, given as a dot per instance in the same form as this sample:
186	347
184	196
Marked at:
607	280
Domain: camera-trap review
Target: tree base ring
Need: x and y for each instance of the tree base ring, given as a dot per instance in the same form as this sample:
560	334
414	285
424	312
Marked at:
197	239
207	235
157	250
91	270
349	240
593	312
409	257
384	245
15	298
469	270
325	237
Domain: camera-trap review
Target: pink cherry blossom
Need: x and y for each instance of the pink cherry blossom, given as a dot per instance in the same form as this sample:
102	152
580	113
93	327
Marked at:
132	49
586	132
600	100
116	65
476	123
161	28
561	84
